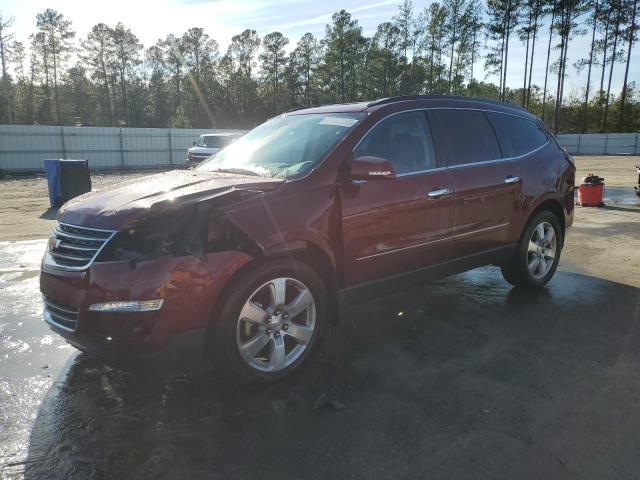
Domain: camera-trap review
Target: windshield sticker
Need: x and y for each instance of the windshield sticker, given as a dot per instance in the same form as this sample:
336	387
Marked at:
338	121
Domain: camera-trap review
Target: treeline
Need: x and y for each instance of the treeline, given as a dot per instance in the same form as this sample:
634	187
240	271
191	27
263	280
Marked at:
109	78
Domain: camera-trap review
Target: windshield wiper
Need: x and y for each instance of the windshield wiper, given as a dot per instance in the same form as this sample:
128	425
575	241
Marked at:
241	171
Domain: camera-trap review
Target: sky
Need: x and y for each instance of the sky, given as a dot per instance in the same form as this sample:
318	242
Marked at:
221	19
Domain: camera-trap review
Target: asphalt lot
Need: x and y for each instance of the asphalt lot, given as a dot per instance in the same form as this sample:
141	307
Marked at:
460	378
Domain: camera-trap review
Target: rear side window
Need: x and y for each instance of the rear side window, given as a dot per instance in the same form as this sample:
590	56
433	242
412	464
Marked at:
404	140
471	137
517	135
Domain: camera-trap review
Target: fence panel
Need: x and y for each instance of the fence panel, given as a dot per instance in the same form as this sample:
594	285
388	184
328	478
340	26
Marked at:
24	147
601	143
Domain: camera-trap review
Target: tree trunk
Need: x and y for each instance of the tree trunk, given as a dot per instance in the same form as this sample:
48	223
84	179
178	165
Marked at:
306	83
431	69
6	83
453	44
473	52
533	51
32	75
626	70
604	55
564	37
123	88
613	61
55	77
105	80
275	85
501	64
526	63
342	92
586	95
546	70
506	60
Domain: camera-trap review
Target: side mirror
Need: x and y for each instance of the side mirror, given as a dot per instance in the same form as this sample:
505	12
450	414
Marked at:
372	168
194	144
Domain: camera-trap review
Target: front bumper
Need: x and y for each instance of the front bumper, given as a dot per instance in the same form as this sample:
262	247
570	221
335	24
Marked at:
195	159
171	338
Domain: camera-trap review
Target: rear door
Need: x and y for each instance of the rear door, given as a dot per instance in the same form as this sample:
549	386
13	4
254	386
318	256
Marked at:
487	185
394	226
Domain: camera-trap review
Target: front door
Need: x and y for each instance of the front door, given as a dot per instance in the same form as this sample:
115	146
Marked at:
394	226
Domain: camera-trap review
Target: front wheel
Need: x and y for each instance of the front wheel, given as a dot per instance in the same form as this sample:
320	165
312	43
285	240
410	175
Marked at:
538	253
271	320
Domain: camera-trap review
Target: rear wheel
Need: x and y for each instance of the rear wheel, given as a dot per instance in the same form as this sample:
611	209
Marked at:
538	253
270	322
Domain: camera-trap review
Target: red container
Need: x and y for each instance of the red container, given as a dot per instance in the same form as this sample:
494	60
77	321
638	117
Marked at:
591	191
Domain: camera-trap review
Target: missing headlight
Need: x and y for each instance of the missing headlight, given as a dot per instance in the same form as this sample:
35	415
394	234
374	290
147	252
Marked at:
163	236
191	231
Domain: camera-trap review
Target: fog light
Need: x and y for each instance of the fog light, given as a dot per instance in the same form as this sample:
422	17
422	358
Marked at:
141	306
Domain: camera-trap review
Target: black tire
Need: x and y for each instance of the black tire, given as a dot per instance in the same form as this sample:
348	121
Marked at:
225	350
517	271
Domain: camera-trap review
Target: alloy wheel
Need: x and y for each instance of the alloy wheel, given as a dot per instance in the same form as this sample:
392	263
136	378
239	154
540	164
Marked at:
276	324
541	252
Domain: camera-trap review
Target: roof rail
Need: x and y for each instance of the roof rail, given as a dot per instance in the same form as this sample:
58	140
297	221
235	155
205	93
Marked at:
404	98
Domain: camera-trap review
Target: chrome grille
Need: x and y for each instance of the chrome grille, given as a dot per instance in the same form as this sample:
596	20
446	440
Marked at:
74	248
61	316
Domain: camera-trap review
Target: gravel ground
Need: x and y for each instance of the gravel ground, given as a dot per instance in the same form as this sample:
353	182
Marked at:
25	213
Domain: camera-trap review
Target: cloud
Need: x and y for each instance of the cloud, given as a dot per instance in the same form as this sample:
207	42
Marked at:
325	18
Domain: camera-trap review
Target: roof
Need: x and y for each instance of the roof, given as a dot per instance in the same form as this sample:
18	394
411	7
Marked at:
430	100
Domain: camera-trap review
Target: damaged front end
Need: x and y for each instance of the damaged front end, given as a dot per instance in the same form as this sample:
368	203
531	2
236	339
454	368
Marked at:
153	285
192	230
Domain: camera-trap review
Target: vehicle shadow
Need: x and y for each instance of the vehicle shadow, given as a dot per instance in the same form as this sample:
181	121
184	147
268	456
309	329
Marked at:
459	378
49	214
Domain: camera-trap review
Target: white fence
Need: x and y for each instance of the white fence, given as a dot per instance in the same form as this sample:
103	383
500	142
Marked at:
24	147
601	143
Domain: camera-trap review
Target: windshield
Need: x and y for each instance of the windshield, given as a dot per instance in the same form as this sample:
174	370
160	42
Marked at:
285	146
214	141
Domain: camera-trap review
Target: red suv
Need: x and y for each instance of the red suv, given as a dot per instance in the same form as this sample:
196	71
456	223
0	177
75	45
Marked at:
245	260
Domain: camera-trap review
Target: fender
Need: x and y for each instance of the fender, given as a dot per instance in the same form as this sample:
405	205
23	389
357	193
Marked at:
291	220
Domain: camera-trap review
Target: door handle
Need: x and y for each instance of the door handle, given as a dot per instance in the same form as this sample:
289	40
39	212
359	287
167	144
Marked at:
511	179
438	192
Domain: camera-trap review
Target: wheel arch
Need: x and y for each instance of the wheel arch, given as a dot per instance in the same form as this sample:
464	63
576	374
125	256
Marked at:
315	257
554	206
301	251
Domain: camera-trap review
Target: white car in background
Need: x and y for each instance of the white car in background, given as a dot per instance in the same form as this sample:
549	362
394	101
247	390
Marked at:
209	144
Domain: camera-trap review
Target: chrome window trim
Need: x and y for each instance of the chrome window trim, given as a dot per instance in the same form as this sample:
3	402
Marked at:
460	165
499	160
420	172
50	261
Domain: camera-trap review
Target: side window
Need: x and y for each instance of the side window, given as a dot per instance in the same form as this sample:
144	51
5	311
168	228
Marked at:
517	135
471	138
404	140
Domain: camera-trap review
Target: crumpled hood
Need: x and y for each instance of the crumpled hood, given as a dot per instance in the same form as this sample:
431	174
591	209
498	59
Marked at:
123	205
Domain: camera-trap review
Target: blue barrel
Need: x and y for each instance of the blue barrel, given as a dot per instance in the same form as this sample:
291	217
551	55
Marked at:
66	179
52	172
